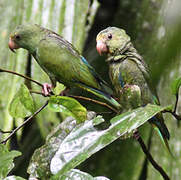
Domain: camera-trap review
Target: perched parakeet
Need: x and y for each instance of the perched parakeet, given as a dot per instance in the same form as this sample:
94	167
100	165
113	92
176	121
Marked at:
129	74
59	59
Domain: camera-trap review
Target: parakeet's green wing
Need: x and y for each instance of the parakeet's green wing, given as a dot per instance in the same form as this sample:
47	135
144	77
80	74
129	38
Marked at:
57	57
62	62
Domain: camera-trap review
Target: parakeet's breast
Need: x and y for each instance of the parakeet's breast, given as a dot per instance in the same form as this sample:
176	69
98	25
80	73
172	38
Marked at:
125	74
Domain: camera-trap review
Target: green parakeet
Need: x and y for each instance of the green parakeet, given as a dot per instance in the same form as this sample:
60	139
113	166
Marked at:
59	59
129	74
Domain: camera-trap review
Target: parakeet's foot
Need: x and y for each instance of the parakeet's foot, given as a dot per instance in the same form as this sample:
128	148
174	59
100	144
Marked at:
136	134
64	93
46	89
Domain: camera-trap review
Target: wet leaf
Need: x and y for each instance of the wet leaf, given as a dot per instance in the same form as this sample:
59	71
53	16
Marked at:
75	174
22	104
6	160
59	88
14	178
84	140
175	86
69	106
39	166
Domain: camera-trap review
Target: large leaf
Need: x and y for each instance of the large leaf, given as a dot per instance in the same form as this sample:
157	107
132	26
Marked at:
175	86
13	178
6	160
84	140
75	174
69	106
22	104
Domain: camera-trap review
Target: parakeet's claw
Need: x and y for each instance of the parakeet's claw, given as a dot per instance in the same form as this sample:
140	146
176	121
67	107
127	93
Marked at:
47	89
64	93
136	134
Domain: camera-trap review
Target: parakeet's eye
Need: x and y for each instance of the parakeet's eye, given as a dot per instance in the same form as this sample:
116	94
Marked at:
109	36
17	37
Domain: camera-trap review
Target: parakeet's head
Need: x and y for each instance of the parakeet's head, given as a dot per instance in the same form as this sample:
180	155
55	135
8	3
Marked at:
25	36
111	39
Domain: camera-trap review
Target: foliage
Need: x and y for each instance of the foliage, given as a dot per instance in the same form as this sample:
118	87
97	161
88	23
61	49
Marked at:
6	160
68	106
73	135
22	105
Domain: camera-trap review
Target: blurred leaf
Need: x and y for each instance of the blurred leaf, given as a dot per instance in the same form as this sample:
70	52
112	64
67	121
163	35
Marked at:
84	140
59	88
61	16
22	104
69	106
167	53
175	86
75	174
6	160
14	178
39	166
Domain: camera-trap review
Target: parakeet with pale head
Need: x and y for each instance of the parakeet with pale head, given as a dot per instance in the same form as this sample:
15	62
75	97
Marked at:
129	74
59	59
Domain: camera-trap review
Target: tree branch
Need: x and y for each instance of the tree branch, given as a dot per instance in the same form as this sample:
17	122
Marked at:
84	98
23	76
94	101
149	156
25	122
177	117
175	108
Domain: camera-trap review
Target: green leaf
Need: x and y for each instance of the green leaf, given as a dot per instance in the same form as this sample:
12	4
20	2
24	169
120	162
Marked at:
14	178
59	88
77	174
175	86
6	160
69	106
22	104
39	166
84	140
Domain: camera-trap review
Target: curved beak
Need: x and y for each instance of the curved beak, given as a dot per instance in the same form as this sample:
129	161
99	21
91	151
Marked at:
101	47
12	45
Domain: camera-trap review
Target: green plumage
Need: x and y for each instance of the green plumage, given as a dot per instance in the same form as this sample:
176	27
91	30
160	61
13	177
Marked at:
60	60
129	74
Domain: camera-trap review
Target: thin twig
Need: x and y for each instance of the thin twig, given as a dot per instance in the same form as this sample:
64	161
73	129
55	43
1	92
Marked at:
21	75
77	97
84	98
149	156
37	92
173	114
94	101
4	132
26	121
175	108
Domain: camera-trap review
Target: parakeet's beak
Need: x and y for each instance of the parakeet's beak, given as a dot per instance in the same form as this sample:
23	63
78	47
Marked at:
101	47
12	45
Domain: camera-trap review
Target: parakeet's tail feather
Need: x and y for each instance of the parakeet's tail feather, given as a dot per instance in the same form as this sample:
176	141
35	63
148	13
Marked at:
162	131
159	122
164	140
102	95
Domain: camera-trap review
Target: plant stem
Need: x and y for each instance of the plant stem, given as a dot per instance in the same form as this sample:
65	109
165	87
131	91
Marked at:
95	101
23	76
83	98
4	132
173	114
175	108
149	156
25	122
76	97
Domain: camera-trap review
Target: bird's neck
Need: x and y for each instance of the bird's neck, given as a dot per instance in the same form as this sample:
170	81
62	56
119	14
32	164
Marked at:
128	51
